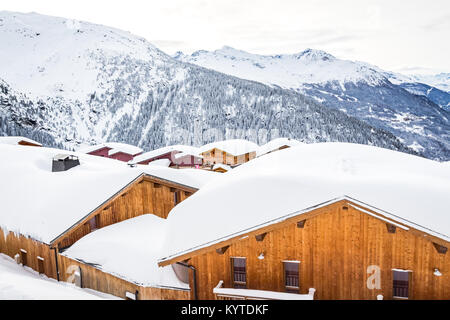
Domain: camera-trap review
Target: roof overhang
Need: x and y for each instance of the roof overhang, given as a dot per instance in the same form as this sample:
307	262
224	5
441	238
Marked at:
306	213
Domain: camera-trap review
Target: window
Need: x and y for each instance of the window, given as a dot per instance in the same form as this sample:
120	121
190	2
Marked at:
401	284
93	223
291	276
40	265
23	257
239	273
176	197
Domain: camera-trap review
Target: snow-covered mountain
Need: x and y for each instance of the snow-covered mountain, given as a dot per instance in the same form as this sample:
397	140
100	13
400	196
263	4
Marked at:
386	100
69	83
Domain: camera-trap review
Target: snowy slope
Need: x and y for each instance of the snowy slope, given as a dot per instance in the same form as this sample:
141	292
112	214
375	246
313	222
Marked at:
19	283
69	83
420	119
294	179
286	70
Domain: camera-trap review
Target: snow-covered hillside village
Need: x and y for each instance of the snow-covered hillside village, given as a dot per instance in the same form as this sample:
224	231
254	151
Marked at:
131	173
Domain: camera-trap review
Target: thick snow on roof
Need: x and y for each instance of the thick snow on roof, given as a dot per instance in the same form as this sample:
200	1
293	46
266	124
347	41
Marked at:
160	162
16	140
164	150
114	146
19	283
43	204
275	144
297	178
234	147
129	250
222	166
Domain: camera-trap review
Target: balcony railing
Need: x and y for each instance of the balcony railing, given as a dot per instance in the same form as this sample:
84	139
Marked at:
222	293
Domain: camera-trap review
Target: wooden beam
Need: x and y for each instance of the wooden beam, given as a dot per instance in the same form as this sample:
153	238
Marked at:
260	237
222	250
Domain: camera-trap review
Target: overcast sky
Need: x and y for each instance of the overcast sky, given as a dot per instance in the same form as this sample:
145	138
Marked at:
398	35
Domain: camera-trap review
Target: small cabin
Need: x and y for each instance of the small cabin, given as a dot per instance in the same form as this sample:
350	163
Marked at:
114	150
229	152
180	156
64	162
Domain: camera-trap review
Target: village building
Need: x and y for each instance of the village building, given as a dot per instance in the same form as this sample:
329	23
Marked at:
230	152
22	141
276	145
180	156
220	167
64	206
114	150
321	221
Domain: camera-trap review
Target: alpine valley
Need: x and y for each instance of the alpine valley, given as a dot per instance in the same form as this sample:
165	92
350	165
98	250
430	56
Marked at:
68	83
413	108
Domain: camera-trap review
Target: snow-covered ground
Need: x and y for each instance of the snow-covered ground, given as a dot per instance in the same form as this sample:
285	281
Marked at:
19	283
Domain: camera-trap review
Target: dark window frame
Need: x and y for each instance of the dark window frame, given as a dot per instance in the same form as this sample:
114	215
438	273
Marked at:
291	282
399	287
238	277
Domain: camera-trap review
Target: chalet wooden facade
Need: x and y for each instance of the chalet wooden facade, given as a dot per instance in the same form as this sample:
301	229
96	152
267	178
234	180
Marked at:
145	195
215	155
343	249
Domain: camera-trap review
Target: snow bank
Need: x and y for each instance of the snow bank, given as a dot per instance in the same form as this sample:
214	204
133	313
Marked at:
275	144
129	250
281	183
19	283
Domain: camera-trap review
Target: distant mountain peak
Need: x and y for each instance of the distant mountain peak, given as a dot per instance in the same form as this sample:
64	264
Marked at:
314	54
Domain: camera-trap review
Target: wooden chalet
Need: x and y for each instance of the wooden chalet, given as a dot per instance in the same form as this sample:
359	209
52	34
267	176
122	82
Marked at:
92	200
306	243
229	152
335	249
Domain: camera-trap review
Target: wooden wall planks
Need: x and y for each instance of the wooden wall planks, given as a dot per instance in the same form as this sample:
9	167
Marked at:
335	247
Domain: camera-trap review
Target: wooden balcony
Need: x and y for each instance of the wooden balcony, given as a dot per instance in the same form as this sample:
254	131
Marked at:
222	293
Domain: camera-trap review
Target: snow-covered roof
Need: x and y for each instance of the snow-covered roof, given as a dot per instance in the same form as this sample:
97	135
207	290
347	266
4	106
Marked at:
43	204
164	150
15	140
234	147
129	250
288	182
160	162
114	146
275	144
